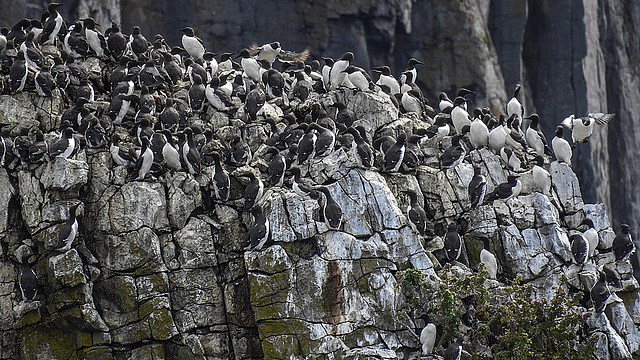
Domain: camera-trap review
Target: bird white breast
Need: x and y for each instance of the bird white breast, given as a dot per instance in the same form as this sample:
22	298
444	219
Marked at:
359	80
489	261
428	338
336	76
192	46
460	118
497	138
325	75
533	139
171	156
146	164
592	237
478	134
391	82
251	67
115	155
514	107
213	99
443	104
94	42
580	132
562	149
410	103
69	150
541	180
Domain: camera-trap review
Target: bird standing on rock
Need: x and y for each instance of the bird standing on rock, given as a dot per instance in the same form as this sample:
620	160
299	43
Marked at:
622	244
69	230
561	147
416	213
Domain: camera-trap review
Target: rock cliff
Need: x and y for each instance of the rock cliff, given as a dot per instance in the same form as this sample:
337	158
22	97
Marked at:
161	268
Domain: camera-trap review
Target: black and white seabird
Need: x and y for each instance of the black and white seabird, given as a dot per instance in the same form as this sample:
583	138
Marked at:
38	149
337	75
514	107
28	281
498	135
145	160
138	43
277	167
220	179
197	94
254	190
240	152
54	25
45	83
454	350
416	213
219	99
477	188
505	191
561	147
119	155
64	146
69	230
479	133
169	118
363	149
331	210
511	158
307	145
591	234
452	243
386	78
95	39
260	229
541	177
300	185
460	116
454	154
18	73
192	44
535	137
190	154
170	152
359	78
394	156
582	127
411	69
325	140
75	44
250	66
600	293
255	100
116	41
623	244
579	249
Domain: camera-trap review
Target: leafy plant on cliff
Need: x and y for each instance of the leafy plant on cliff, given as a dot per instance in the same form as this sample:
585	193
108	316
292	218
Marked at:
513	324
544	329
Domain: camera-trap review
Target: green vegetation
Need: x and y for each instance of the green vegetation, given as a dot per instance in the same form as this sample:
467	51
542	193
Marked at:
511	323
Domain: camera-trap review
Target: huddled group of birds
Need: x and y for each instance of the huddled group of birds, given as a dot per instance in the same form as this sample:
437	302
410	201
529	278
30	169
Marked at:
146	125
